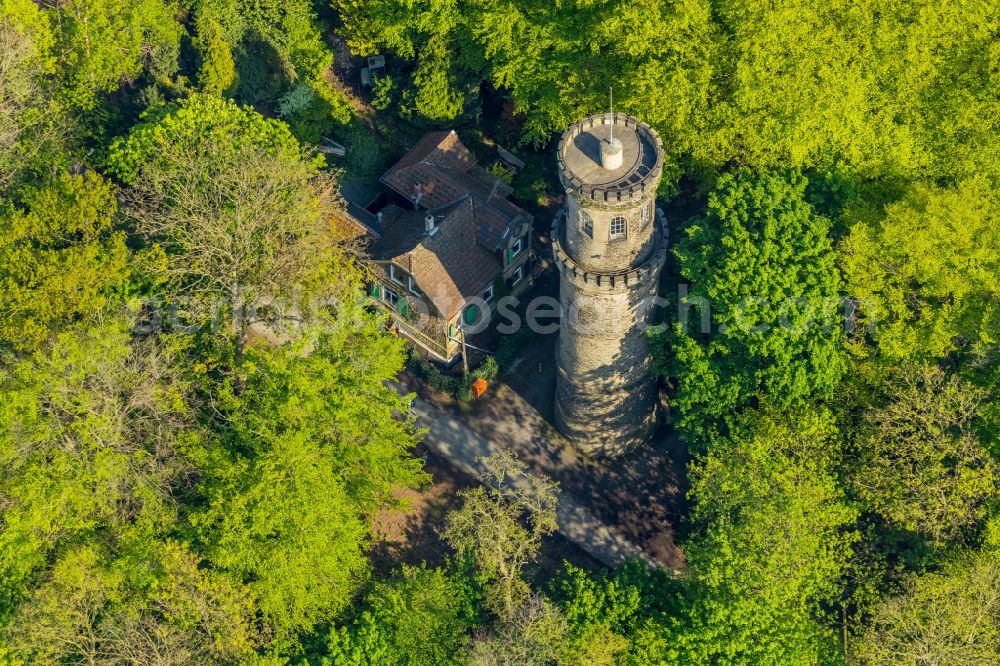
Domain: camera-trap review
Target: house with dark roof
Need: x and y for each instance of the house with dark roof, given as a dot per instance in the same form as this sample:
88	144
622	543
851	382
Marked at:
450	246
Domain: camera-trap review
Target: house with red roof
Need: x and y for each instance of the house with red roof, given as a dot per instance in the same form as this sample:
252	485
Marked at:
449	247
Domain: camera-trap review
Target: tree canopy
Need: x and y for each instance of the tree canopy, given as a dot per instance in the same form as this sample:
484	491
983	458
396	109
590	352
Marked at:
201	435
759	318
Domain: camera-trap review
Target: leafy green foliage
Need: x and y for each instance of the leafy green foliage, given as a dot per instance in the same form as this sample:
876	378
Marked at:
208	498
92	610
433	96
311	447
241	214
926	273
434	32
919	463
217	71
204	126
772	541
489	527
534	633
618	618
30	121
89	445
60	257
419	616
278	46
947	617
101	43
760	264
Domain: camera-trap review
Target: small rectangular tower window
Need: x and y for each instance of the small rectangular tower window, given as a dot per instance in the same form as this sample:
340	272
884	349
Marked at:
618	228
644	215
586	223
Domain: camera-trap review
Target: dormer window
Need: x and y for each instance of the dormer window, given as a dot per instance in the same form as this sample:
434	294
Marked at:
397	275
516	248
517	276
619	228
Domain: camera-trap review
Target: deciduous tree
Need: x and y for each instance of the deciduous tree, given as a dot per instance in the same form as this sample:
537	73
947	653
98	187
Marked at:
30	123
418	616
919	463
101	44
772	537
926	273
307	452
501	524
760	264
240	211
61	256
948	617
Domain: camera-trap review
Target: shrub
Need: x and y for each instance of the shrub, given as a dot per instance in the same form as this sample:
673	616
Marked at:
458	387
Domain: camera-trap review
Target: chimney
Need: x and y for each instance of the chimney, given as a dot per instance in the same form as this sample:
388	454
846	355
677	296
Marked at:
429	225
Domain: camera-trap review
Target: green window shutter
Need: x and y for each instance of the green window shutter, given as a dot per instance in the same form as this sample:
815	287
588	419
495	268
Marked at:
451	330
376	290
471	315
510	256
404	307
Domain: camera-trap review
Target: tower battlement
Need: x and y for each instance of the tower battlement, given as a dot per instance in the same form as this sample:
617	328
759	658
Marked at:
579	158
609	282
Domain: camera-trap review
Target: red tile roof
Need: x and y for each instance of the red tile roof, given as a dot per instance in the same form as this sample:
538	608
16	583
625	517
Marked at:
449	266
439	170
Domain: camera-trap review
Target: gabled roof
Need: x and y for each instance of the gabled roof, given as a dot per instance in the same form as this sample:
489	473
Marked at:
449	266
439	170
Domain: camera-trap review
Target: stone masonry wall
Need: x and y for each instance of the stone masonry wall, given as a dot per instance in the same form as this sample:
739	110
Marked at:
606	397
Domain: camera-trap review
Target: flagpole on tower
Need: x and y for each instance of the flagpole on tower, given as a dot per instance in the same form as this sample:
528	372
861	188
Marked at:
611	110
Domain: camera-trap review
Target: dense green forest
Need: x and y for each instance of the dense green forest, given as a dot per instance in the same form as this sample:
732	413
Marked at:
173	493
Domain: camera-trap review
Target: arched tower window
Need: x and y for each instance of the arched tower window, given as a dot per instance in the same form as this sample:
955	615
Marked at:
619	228
586	223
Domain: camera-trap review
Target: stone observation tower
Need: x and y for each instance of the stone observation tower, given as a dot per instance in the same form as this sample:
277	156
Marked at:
609	248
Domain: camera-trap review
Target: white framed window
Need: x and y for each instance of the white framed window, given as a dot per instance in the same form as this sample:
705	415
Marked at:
390	297
488	294
516	248
396	275
644	214
412	285
585	223
517	276
619	228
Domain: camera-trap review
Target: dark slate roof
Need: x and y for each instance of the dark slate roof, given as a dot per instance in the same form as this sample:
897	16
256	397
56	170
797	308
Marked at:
439	170
449	266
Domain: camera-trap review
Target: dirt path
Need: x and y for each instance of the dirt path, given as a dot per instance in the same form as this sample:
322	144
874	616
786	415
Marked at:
450	435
